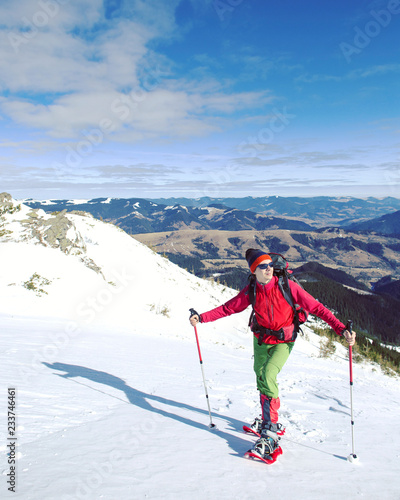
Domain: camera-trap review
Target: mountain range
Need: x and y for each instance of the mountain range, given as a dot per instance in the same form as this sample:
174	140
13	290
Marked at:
386	224
138	215
357	236
317	211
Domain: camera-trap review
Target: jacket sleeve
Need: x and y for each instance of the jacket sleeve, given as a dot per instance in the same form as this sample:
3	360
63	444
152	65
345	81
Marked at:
235	305
313	306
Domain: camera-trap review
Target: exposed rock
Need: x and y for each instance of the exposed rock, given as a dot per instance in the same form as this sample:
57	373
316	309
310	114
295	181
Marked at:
56	233
7	204
6	200
82	213
34	214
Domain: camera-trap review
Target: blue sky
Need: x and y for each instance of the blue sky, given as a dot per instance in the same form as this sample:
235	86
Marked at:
199	98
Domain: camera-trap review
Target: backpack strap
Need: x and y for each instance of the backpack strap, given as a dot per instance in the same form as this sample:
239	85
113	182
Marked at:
300	315
284	287
252	296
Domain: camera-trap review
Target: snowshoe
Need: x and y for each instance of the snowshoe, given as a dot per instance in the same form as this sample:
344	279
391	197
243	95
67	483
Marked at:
269	460
266	447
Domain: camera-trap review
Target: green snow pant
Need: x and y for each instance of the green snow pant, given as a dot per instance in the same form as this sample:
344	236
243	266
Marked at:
268	362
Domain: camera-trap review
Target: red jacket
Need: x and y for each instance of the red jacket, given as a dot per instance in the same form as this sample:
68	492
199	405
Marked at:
272	310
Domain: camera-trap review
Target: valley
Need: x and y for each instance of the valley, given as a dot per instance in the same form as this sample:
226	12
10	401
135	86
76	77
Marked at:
366	257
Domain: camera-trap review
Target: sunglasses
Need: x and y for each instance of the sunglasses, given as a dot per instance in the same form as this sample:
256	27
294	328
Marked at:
266	266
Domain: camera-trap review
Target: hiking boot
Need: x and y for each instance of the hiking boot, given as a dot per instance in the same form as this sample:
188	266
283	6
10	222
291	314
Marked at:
256	427
266	444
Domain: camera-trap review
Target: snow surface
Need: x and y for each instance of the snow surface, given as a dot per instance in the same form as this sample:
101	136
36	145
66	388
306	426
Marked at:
110	398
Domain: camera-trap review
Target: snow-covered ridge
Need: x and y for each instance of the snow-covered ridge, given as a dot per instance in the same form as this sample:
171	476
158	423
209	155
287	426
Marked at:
176	207
85	263
23	224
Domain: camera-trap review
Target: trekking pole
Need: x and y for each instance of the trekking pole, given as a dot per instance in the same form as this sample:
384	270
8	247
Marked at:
211	426
352	457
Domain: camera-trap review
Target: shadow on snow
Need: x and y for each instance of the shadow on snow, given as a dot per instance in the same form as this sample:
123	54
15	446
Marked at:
143	400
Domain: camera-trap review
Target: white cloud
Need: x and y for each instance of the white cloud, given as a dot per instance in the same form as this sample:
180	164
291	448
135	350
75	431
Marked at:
379	69
47	14
60	62
134	116
376	70
80	71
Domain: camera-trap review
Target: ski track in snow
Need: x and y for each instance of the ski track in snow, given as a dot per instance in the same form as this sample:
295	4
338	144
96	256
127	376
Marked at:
110	399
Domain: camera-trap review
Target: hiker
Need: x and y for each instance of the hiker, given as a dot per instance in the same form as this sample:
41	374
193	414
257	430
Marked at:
275	325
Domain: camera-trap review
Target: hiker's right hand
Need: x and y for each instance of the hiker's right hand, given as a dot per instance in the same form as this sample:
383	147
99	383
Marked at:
194	319
350	337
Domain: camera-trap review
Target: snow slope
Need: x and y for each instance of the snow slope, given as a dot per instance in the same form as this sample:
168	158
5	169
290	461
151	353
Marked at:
110	400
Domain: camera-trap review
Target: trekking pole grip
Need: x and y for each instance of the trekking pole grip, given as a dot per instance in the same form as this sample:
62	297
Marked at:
192	312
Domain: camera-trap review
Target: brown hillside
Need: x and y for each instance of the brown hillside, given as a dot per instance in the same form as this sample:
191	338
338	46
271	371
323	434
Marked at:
366	257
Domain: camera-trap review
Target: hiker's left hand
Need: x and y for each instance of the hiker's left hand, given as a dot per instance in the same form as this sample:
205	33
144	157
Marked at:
350	337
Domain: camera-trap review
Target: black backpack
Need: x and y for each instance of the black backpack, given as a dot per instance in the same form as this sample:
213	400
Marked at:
281	270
